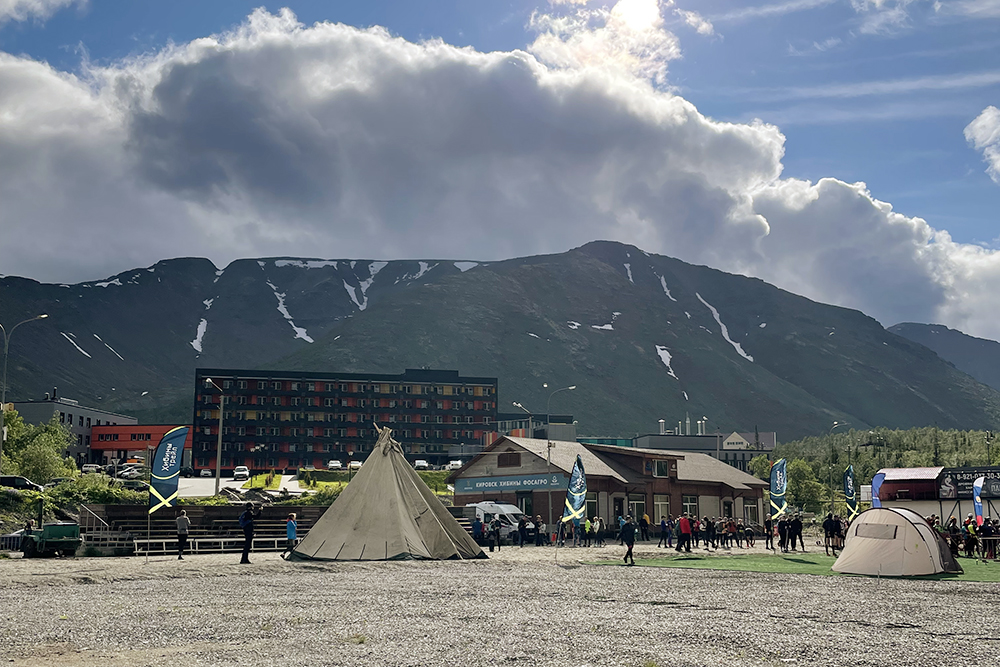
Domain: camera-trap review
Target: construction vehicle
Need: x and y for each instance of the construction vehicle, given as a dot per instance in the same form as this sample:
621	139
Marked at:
50	539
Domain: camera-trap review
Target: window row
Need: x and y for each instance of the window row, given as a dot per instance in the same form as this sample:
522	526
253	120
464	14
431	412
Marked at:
359	387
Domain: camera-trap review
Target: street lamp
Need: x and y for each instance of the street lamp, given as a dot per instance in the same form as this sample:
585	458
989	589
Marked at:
531	433
835	425
3	392
218	447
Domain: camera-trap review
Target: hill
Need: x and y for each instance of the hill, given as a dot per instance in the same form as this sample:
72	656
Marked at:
979	357
644	337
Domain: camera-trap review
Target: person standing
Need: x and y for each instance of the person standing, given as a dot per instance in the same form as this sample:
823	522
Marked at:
291	530
588	531
183	524
685	541
830	528
477	530
495	533
768	532
709	533
247	518
783	533
540	536
795	532
644	527
663	532
522	531
627	537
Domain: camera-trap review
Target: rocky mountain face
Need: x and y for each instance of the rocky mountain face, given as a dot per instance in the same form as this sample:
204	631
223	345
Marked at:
643	337
978	357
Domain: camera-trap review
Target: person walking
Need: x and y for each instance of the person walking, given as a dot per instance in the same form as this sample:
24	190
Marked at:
768	533
183	524
247	518
522	531
627	537
663	532
291	530
709	533
685	541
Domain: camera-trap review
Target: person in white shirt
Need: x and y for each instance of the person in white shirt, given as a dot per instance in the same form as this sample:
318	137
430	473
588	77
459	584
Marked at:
183	523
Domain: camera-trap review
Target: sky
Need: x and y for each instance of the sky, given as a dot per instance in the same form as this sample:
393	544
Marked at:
846	150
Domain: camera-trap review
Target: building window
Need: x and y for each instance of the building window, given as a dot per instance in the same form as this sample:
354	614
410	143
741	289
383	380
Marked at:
661	507
636	505
690	505
295	386
275	385
661	468
227	384
242	384
310	386
439	419
261	384
591	505
81	421
295	400
88	422
276	400
509	460
750	513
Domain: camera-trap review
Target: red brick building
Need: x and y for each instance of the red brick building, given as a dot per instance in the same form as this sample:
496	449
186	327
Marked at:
124	441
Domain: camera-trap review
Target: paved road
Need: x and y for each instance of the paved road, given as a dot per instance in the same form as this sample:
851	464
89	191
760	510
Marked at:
193	487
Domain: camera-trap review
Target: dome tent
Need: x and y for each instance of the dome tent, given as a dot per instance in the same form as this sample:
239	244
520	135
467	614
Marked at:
894	542
386	513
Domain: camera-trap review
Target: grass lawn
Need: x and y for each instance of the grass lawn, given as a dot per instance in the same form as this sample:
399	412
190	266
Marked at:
260	482
808	563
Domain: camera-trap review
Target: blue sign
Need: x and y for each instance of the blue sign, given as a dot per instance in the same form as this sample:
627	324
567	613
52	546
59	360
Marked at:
515	483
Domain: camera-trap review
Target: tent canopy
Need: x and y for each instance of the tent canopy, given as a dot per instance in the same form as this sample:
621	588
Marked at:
894	542
386	513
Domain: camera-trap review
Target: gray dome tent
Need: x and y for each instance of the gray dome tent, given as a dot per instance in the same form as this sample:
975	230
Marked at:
386	513
894	542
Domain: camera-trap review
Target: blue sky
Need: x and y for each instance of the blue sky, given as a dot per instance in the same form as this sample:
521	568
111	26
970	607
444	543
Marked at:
794	68
134	131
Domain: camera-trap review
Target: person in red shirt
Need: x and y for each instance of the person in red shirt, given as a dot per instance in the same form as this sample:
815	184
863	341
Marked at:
685	537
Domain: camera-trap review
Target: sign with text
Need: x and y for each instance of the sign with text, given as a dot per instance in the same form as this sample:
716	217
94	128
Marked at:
513	483
955	483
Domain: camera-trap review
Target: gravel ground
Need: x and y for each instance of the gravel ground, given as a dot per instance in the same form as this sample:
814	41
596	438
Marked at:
518	607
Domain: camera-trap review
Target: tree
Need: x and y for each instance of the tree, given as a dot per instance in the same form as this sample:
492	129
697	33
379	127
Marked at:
803	489
36	452
760	467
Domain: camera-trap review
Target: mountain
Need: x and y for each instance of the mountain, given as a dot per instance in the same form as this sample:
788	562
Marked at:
979	357
643	337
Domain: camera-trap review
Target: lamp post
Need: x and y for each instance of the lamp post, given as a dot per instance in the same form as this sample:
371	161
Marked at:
832	455
989	441
218	446
3	391
531	433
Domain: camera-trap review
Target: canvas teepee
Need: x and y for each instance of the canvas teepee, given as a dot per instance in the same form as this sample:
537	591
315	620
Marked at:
386	513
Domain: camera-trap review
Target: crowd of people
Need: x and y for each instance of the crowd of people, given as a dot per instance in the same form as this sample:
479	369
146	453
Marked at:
975	540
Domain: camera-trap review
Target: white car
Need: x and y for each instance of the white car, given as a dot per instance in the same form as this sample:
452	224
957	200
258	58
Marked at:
454	465
420	464
90	468
206	472
354	465
335	465
241	472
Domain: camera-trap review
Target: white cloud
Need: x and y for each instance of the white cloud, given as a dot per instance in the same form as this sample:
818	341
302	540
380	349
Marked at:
984	135
701	25
281	140
981	9
768	11
39	10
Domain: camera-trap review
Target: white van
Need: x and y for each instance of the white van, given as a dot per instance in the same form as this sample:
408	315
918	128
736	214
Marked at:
509	516
90	468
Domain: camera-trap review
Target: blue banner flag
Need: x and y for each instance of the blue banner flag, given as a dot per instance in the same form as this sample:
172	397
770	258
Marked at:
977	500
779	483
850	493
876	486
576	494
166	469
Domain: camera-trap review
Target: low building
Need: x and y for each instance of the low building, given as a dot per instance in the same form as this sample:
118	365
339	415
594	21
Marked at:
942	491
110	443
79	419
620	480
736	449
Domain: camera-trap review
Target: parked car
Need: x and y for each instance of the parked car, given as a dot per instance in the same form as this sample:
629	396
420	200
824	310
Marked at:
334	464
453	465
420	464
207	472
187	471
135	472
134	484
19	483
354	465
56	481
90	468
241	472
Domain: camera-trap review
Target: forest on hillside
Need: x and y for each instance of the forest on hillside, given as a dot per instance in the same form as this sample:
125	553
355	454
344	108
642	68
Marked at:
816	464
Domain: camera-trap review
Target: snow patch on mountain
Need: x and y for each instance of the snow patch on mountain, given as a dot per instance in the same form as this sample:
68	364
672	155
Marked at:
109	282
685	395
299	331
424	268
308	264
573	325
73	343
665	358
202	328
725	331
602	327
762	325
533	335
666	290
208	303
110	348
688	314
465	266
628	270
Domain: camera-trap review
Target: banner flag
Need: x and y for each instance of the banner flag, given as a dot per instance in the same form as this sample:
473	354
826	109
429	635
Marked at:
876	485
850	493
165	470
977	501
779	482
576	494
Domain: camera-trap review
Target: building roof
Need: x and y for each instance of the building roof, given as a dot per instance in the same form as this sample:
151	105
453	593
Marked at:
694	467
564	457
907	474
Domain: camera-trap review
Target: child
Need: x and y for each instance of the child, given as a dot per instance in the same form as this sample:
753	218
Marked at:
290	530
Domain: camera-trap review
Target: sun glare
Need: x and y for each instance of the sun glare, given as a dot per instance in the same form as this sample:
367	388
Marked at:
637	15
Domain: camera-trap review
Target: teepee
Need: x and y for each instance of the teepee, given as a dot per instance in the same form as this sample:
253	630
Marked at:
386	513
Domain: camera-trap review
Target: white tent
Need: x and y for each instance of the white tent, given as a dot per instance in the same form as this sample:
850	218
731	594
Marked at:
386	513
894	542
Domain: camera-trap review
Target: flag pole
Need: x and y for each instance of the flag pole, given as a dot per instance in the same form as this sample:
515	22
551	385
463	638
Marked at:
149	516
